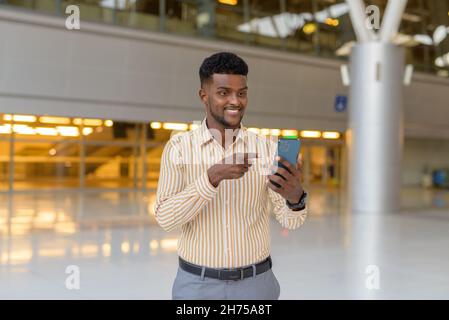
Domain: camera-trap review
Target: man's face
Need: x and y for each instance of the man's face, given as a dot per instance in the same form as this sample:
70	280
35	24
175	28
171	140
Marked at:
225	98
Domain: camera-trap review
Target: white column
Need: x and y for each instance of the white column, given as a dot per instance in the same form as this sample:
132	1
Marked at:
375	127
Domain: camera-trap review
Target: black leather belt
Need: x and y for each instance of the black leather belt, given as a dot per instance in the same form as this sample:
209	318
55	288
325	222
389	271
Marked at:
226	274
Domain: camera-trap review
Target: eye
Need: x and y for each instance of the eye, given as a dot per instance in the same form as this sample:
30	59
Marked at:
242	94
222	93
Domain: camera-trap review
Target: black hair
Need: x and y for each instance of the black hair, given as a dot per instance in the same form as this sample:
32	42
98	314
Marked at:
222	63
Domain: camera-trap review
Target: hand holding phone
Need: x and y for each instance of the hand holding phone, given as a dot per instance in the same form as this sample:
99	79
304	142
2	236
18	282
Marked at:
287	149
286	181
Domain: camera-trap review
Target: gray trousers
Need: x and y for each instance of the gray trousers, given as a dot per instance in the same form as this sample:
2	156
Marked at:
188	286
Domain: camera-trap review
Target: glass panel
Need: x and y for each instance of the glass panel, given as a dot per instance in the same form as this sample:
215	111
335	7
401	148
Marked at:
181	17
110	166
421	28
264	25
142	14
95	10
299	25
230	20
45	6
124	132
48	164
4	162
5	129
317	163
156	140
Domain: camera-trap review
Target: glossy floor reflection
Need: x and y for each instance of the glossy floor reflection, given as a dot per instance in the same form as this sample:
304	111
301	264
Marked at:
122	254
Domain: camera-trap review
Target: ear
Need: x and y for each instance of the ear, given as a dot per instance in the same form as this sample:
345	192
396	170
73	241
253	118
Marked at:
203	95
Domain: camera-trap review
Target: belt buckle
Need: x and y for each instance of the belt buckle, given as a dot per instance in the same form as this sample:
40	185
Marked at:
241	275
230	277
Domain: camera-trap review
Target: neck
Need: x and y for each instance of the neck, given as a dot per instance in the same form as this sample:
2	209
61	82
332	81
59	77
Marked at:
218	127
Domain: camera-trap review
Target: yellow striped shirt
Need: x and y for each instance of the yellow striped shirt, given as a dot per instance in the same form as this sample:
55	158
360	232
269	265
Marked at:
226	226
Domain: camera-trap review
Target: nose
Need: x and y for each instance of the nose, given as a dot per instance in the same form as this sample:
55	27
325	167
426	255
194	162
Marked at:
233	99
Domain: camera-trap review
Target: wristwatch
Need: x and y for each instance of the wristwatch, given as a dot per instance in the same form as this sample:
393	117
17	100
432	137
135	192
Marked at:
301	205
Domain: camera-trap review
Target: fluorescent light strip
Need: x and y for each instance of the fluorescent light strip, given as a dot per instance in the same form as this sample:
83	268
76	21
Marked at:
289	133
68	131
23	129
175	126
54	120
87	131
43	131
93	122
310	134
255	130
5	129
156	125
331	135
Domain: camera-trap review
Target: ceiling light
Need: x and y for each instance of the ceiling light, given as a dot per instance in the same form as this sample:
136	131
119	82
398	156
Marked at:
5	129
23	129
87	131
309	28
67	131
175	126
44	131
310	134
265	131
54	120
289	133
331	135
92	122
21	118
255	130
156	125
229	2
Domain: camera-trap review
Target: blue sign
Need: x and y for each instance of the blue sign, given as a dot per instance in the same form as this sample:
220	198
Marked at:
341	103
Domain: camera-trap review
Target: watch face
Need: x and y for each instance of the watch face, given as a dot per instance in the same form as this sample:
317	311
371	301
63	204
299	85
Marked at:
302	201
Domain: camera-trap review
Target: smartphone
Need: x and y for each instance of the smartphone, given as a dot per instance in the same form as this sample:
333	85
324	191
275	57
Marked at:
289	150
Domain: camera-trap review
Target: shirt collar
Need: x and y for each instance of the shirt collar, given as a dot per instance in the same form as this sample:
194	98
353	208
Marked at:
204	134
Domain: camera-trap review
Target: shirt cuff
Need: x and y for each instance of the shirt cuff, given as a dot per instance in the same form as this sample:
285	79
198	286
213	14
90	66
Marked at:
290	214
205	189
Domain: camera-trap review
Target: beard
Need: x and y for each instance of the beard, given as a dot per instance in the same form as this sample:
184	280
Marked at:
221	119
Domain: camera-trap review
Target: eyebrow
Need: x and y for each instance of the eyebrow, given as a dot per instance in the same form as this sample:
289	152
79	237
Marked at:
224	87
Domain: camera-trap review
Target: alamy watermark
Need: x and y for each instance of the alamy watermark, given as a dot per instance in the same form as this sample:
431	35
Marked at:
372	20
73	22
72	282
372	281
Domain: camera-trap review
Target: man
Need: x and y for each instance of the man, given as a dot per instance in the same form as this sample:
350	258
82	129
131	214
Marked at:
212	185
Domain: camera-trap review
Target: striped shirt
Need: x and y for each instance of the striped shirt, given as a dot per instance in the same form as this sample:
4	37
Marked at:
225	226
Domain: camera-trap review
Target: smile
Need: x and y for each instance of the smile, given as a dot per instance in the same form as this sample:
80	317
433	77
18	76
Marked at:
232	112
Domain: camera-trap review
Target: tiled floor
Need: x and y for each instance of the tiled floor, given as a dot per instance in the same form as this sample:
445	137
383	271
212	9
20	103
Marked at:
121	253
